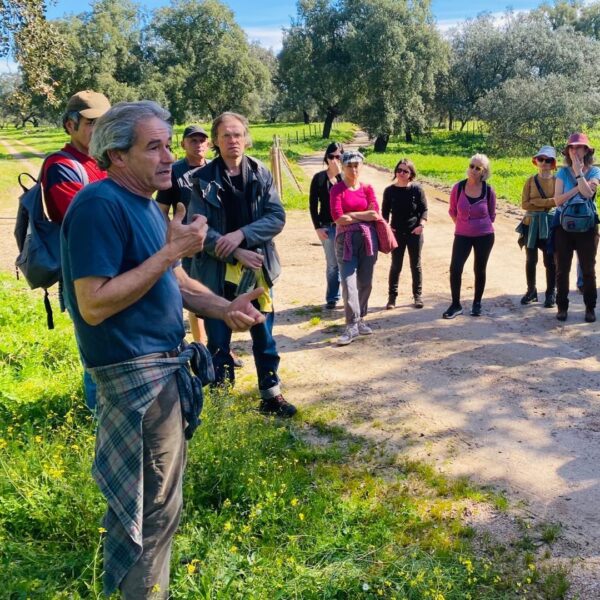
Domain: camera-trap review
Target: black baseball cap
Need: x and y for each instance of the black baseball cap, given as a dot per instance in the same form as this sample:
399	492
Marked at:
193	130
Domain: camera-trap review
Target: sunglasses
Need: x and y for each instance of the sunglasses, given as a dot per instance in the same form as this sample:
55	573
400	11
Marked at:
405	171
476	167
332	156
543	159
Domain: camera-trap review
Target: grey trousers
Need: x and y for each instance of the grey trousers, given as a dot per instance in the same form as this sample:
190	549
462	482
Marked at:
356	275
164	463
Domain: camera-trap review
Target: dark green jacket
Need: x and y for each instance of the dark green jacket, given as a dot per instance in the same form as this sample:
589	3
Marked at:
267	216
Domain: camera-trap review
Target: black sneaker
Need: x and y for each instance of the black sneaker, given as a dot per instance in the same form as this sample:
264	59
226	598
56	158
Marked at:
590	315
550	300
419	302
529	297
331	305
476	309
278	406
452	311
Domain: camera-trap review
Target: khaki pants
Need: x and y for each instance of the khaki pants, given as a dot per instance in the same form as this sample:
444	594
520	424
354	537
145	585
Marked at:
164	462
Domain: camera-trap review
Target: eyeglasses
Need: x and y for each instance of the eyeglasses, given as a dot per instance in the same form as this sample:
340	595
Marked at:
476	167
332	156
405	171
543	159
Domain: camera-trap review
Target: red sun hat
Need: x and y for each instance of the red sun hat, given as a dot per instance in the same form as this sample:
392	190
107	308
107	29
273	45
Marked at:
579	139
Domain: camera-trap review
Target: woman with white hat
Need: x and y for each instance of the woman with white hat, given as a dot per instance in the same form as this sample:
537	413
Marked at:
576	223
537	200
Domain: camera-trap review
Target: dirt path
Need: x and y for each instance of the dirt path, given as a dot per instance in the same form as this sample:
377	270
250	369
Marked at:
510	399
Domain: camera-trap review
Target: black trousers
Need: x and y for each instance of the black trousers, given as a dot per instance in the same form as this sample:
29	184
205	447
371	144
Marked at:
461	249
585	244
531	266
414	243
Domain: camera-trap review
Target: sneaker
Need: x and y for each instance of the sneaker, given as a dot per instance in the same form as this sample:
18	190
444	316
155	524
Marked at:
391	303
550	300
238	363
452	311
331	305
278	406
476	309
590	315
419	302
348	336
529	297
363	328
561	315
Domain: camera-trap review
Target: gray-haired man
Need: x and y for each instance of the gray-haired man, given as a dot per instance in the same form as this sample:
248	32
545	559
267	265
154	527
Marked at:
125	289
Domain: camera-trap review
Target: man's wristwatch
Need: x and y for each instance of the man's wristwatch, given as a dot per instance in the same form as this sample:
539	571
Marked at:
578	176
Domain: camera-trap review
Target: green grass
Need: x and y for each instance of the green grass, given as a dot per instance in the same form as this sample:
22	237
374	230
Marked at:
266	515
442	157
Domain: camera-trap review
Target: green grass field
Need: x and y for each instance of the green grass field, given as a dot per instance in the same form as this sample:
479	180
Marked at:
442	157
266	515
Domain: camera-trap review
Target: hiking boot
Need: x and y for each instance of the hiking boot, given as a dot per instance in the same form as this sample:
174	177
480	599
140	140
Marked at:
331	305
550	300
452	311
418	302
529	297
278	406
391	303
348	336
590	315
363	328
561	315
476	309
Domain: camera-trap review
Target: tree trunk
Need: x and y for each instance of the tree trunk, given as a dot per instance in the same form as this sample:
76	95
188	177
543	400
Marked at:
408	136
381	142
450	121
306	117
329	117
462	124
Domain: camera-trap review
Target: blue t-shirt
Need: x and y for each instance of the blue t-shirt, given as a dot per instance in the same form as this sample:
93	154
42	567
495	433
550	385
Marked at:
569	182
108	231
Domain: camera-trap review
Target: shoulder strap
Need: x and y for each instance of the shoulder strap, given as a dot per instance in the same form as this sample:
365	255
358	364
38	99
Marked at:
539	187
461	187
78	166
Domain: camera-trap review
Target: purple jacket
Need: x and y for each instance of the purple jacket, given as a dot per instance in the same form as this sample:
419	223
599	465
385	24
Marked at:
472	220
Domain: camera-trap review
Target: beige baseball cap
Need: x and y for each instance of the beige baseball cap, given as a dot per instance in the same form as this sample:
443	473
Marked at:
88	104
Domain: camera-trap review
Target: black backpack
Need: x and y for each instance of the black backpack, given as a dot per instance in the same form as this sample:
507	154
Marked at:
38	238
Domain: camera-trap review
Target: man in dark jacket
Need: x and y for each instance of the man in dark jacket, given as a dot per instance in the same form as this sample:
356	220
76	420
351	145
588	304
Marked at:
244	213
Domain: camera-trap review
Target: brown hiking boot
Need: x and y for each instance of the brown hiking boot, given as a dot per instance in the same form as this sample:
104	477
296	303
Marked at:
278	406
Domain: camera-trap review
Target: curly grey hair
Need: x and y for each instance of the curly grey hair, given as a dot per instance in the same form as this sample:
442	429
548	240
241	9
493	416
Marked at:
116	128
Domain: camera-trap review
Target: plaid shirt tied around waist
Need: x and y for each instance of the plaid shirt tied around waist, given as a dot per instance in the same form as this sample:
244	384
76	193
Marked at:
348	230
126	390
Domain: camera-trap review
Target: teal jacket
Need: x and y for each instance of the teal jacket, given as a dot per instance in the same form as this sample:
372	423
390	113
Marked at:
267	215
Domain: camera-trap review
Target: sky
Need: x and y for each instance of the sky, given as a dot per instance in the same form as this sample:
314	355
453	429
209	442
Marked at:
263	20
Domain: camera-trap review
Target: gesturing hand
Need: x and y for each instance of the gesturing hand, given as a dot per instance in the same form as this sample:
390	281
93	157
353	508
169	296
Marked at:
227	243
240	315
187	239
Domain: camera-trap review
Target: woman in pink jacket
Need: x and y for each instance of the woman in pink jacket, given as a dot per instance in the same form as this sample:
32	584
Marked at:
473	210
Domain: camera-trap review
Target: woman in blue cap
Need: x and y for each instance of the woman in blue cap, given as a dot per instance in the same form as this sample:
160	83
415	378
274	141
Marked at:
537	200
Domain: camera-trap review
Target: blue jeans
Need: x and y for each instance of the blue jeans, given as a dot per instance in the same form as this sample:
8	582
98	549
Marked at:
332	272
89	388
264	349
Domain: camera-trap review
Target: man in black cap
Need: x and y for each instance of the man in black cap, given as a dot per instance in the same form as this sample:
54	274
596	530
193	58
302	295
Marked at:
195	144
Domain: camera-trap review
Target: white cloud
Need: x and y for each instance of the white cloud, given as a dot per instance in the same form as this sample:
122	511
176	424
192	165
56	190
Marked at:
269	37
499	18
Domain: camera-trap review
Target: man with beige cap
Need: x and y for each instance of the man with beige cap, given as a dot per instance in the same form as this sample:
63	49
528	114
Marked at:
67	171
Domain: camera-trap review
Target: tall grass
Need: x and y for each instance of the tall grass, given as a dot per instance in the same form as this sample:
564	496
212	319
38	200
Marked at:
267	515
